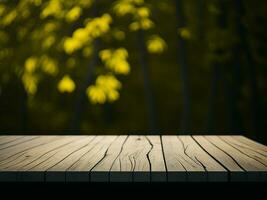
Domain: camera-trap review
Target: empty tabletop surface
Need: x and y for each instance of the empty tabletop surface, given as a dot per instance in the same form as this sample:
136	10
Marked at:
135	158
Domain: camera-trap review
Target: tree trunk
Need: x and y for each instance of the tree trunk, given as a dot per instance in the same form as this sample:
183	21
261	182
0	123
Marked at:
108	114
200	13
81	94
231	82
182	62
216	77
149	96
256	104
23	109
211	119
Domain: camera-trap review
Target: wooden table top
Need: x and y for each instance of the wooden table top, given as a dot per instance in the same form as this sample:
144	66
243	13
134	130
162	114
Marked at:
136	158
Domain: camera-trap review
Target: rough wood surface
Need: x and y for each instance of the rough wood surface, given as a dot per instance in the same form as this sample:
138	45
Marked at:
136	158
183	152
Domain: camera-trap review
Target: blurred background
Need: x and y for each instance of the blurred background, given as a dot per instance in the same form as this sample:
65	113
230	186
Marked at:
133	67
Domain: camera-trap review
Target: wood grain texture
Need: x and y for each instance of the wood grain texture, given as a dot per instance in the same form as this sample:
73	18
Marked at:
156	159
136	158
100	172
96	152
32	156
9	139
21	148
183	154
251	143
132	163
255	170
236	172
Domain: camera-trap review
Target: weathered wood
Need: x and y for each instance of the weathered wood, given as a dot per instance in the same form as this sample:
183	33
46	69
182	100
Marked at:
58	157
59	170
8	139
37	158
186	160
136	158
251	143
27	145
17	141
14	152
132	163
156	158
246	150
100	172
175	168
31	155
236	172
96	151
255	170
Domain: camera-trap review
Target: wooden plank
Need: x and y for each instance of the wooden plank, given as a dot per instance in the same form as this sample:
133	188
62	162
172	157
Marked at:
17	141
255	170
236	172
158	172
100	172
33	155
252	144
156	158
59	169
21	148
172	149
41	166
7	176
213	170
131	158
186	160
55	151
8	139
256	154
132	164
89	159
